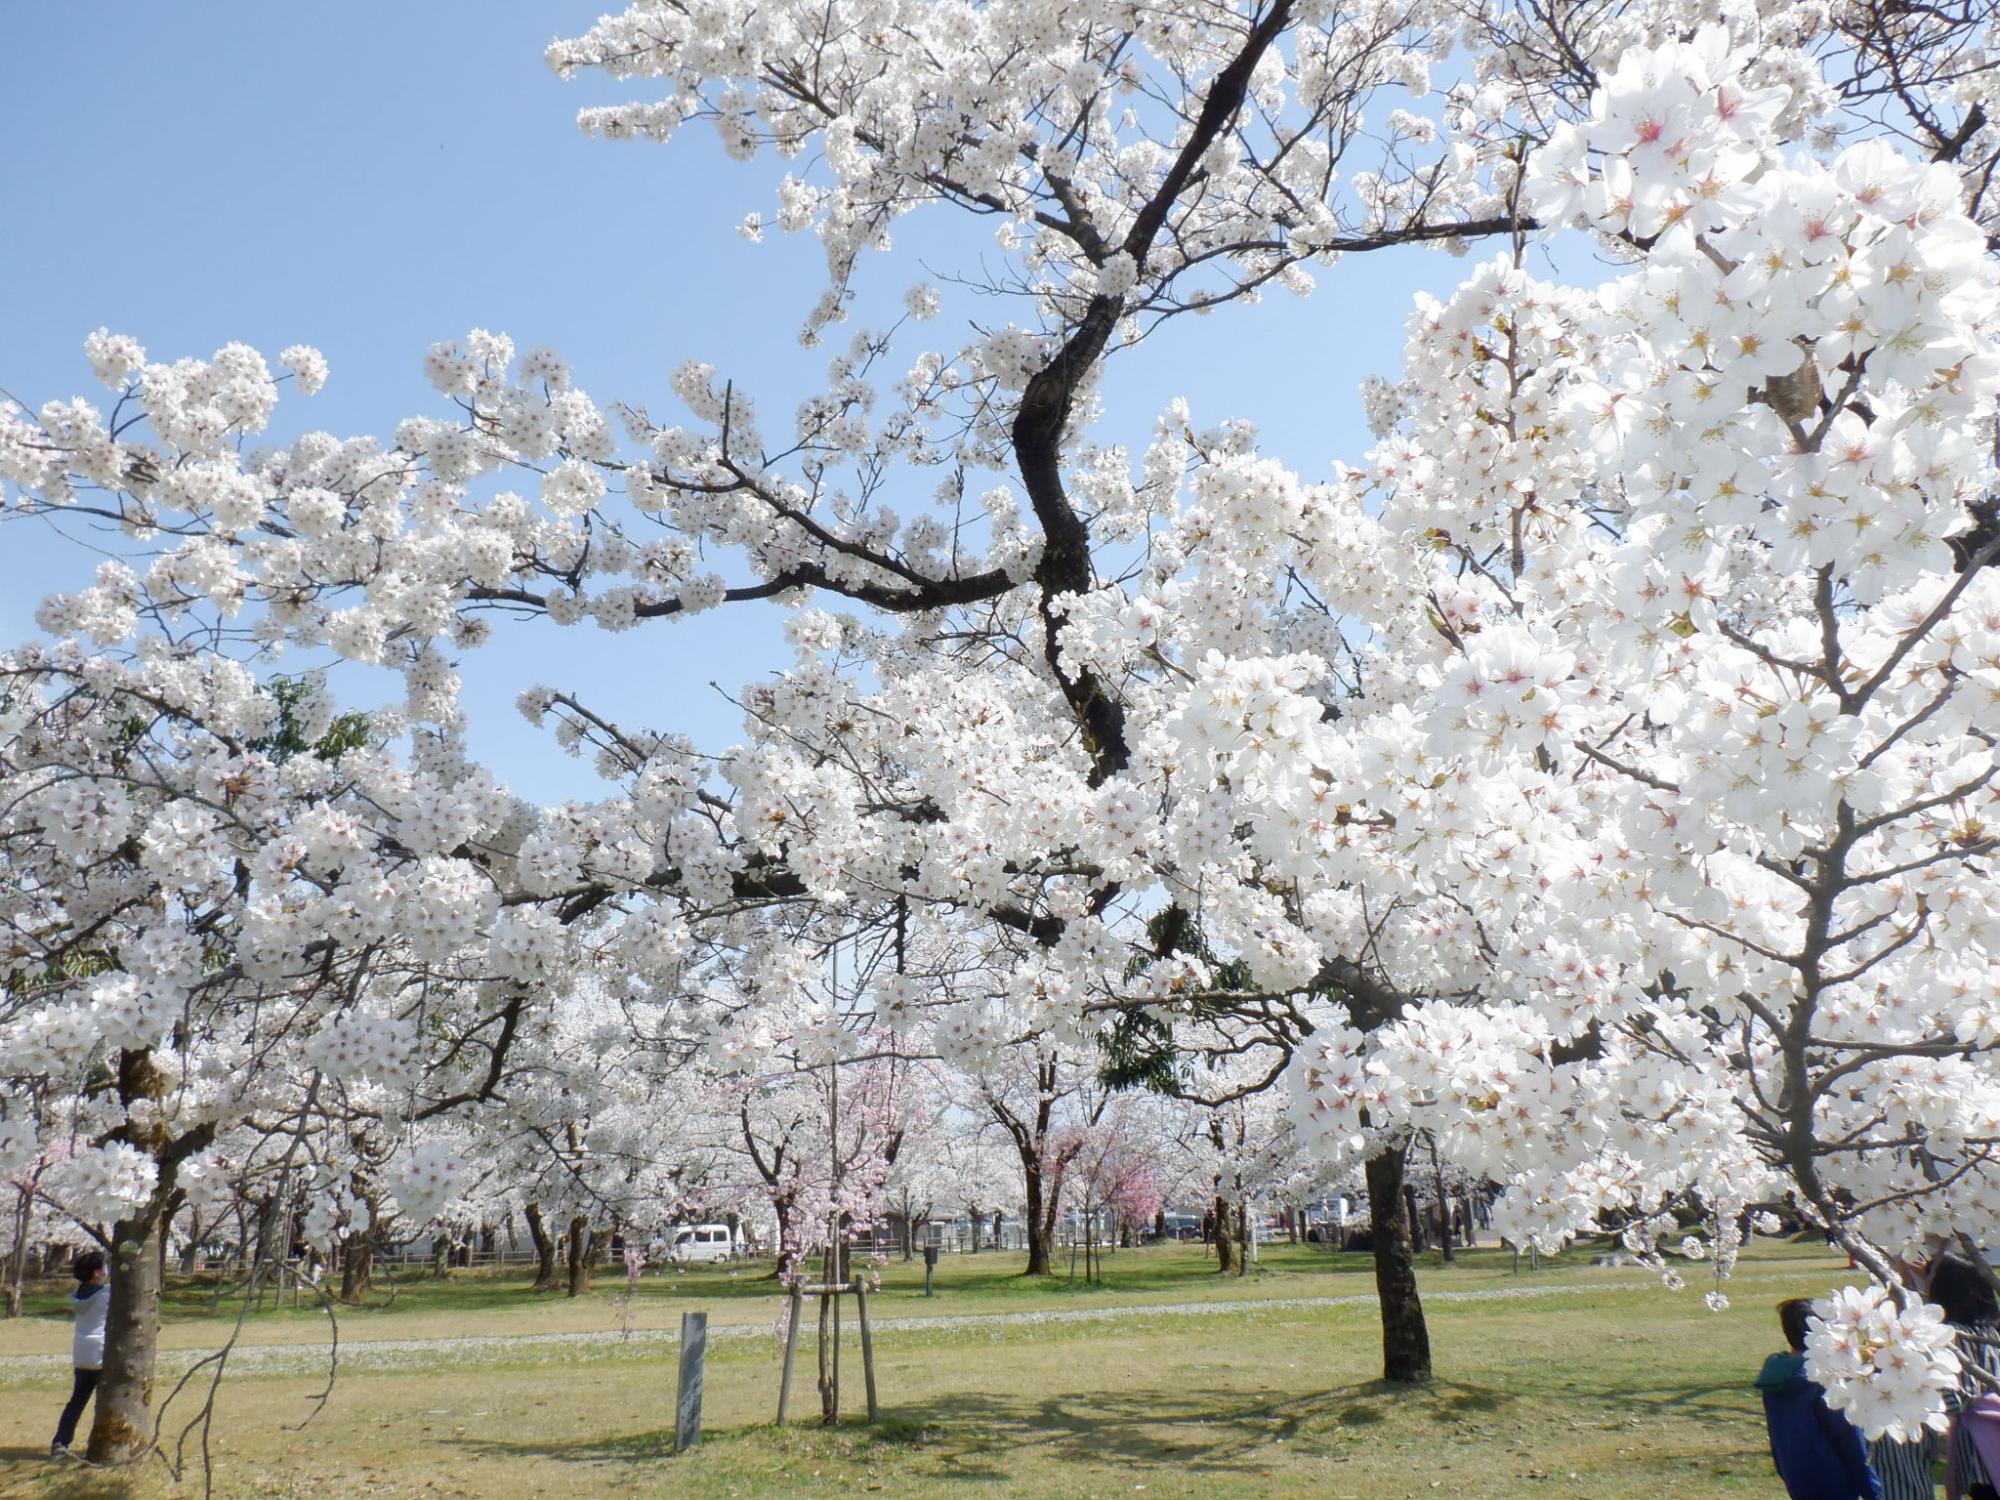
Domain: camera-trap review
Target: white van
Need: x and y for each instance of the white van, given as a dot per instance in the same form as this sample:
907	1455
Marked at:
704	1242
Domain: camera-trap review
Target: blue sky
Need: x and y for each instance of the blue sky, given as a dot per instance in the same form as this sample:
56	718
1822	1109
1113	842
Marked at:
372	177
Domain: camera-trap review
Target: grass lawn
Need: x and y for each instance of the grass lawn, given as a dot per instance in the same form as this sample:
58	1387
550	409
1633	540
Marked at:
1599	1385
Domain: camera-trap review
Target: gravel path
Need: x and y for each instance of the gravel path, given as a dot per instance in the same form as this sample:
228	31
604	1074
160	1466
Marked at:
398	1354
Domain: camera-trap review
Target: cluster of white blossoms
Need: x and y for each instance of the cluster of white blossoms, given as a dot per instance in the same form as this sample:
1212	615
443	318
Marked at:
18	1146
362	1045
340	1204
100	1183
1882	1361
428	1179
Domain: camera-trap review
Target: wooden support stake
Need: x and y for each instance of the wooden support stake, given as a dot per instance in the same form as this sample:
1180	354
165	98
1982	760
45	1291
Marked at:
791	1348
829	1362
867	1348
687	1407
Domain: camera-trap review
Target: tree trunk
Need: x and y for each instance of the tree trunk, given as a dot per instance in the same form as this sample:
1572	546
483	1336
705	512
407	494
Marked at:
579	1256
1051	1205
238	1248
191	1248
1225	1238
1416	1220
1041	1223
259	1248
122	1429
166	1235
1031	1138
357	1265
1242	1236
787	1250
17	1253
1443	1204
545	1250
1406	1342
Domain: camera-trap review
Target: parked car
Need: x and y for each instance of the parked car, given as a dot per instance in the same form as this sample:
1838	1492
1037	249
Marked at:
703	1243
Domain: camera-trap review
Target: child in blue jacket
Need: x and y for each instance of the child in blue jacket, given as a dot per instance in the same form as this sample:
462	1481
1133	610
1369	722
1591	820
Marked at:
1819	1454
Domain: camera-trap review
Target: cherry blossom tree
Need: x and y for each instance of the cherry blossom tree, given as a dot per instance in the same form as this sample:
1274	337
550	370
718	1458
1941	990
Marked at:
27	1220
1114	1173
1042	1104
980	1180
1609	748
1698	563
922	1179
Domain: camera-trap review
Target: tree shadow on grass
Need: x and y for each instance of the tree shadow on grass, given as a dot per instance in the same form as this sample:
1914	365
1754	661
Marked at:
630	1447
1369	1402
980	1435
657	1445
1218	1431
976	1435
30	1471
